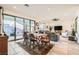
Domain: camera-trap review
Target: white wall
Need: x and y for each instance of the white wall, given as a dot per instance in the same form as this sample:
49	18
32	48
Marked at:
15	13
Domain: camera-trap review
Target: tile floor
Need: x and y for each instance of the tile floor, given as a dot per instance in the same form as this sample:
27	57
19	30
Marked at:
62	47
15	49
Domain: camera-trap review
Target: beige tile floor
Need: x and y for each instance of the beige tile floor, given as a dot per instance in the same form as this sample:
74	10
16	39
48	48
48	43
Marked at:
15	49
62	47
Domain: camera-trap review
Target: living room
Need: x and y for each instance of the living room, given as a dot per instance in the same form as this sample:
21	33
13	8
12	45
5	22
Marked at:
60	21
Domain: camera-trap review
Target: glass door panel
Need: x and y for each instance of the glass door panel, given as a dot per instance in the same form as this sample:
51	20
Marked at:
19	28
27	25
42	26
9	26
32	26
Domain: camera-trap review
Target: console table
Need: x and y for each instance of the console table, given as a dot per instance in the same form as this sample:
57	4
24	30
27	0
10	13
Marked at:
71	38
3	45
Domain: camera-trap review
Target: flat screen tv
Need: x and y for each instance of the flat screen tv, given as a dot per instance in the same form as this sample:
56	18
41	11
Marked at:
57	27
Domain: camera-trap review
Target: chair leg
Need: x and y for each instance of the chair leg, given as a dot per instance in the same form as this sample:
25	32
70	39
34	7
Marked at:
24	42
30	44
33	43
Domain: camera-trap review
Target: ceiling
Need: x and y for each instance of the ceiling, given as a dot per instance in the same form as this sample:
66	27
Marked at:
43	11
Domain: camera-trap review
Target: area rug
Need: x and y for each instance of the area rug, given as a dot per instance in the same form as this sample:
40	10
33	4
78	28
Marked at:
42	50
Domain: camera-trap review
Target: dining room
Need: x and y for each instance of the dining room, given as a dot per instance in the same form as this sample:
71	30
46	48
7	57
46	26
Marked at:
41	30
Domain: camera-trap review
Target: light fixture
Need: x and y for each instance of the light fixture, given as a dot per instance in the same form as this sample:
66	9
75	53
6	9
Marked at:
14	7
26	5
48	9
43	18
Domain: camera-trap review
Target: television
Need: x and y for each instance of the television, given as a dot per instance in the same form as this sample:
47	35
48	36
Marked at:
57	27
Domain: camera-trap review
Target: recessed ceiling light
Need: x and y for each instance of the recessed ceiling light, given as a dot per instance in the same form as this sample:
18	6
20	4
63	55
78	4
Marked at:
48	9
14	7
43	18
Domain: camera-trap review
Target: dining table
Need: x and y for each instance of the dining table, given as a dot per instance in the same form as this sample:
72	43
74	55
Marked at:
42	38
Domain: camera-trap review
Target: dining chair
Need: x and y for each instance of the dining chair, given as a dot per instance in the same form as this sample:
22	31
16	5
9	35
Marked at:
25	36
33	40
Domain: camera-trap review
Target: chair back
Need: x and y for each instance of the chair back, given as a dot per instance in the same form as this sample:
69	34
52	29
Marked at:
25	35
31	36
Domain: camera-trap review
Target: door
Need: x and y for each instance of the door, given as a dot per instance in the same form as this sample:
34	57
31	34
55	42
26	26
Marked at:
19	28
9	26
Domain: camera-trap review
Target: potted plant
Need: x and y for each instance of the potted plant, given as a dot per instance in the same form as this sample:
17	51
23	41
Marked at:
72	37
73	32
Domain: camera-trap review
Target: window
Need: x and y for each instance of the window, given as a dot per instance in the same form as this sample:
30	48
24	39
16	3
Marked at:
19	28
27	25
42	26
15	26
32	26
9	26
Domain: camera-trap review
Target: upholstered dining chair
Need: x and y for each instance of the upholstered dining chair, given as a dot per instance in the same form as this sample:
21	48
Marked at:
33	40
26	37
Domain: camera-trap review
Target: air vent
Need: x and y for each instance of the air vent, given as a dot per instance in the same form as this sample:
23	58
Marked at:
55	19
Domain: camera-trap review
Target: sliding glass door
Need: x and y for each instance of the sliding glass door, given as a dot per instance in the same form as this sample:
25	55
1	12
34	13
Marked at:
42	26
15	26
27	25
19	28
32	26
9	26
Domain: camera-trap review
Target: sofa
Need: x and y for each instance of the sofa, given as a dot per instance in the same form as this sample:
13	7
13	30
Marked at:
52	36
